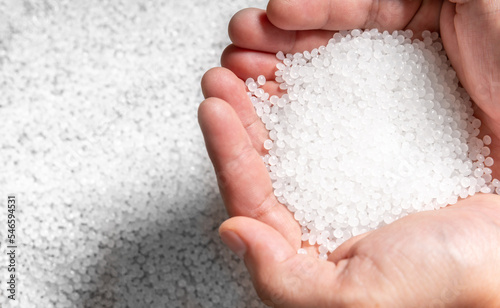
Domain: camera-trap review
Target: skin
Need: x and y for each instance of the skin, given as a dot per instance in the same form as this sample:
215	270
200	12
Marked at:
444	258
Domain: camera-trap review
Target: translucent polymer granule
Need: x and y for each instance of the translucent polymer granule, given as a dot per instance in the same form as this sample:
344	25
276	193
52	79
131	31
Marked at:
373	126
118	204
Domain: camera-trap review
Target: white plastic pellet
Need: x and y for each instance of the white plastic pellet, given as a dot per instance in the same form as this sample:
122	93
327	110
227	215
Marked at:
118	204
373	127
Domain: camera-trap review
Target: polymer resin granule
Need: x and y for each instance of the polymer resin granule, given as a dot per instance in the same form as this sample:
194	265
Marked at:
118	205
372	127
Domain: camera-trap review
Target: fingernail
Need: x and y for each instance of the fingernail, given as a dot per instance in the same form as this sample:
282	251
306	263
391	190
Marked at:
234	242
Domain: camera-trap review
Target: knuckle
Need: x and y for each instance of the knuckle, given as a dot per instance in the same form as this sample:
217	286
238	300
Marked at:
234	166
264	207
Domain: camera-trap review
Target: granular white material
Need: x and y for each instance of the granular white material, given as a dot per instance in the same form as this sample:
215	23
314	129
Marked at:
118	204
373	126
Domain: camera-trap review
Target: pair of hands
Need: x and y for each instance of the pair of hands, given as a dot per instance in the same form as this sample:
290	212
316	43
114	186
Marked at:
449	257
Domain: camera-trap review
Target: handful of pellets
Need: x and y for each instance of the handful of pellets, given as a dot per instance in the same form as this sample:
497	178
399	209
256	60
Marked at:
373	126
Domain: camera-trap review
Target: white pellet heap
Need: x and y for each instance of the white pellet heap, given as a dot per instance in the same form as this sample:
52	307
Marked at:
118	204
373	127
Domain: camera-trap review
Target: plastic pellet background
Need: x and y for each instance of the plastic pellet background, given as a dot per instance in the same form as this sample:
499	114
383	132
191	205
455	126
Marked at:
118	205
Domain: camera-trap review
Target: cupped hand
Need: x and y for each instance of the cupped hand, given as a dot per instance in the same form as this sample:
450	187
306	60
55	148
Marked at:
439	258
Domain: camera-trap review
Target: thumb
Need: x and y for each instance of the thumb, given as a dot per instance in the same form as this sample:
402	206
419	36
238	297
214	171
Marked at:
282	278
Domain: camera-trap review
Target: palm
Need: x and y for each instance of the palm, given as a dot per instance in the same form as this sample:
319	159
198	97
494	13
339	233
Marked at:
425	252
234	136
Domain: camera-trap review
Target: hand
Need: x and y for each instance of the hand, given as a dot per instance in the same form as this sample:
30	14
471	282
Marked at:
446	257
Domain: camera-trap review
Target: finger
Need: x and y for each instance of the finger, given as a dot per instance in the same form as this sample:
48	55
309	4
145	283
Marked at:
449	35
272	87
222	83
476	57
251	29
281	277
246	63
263	245
426	18
243	179
342	252
340	14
